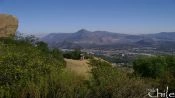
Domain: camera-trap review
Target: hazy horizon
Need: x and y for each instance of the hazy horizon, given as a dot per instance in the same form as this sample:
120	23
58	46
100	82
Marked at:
44	34
120	16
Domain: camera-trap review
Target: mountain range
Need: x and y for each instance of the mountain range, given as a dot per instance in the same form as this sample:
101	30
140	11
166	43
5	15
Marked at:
104	39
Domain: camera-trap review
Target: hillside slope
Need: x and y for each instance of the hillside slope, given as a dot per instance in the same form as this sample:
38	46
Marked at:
80	67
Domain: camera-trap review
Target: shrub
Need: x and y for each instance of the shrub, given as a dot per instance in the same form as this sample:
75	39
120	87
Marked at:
26	69
76	54
161	68
150	66
109	82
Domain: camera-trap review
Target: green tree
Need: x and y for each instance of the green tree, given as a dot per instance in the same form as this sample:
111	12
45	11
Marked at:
150	66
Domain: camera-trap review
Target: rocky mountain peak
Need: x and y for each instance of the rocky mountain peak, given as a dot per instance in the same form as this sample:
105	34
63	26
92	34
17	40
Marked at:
83	31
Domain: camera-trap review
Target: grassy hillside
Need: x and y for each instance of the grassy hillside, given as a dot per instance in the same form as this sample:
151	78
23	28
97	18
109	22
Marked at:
29	69
81	67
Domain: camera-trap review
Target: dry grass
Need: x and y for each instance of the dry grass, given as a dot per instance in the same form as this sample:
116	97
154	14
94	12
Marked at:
81	67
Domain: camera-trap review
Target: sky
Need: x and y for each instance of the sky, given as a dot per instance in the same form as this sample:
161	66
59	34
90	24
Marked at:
120	16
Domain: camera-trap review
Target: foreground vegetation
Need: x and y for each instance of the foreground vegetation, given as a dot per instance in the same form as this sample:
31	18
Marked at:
159	68
29	69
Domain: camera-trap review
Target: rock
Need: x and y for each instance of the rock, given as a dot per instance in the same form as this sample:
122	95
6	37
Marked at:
8	25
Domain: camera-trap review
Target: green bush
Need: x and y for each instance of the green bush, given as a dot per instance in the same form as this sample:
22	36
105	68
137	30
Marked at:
25	68
150	66
109	82
76	54
160	68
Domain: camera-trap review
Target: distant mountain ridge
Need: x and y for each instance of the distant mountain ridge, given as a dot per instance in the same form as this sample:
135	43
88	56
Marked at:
87	39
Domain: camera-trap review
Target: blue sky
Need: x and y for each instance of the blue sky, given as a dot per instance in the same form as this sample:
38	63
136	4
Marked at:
122	16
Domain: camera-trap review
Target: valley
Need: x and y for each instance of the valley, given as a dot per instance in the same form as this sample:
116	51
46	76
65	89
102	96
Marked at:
119	49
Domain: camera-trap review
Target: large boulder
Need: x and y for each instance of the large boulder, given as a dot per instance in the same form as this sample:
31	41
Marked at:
8	25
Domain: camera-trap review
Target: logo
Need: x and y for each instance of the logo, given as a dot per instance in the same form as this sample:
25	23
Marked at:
156	93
